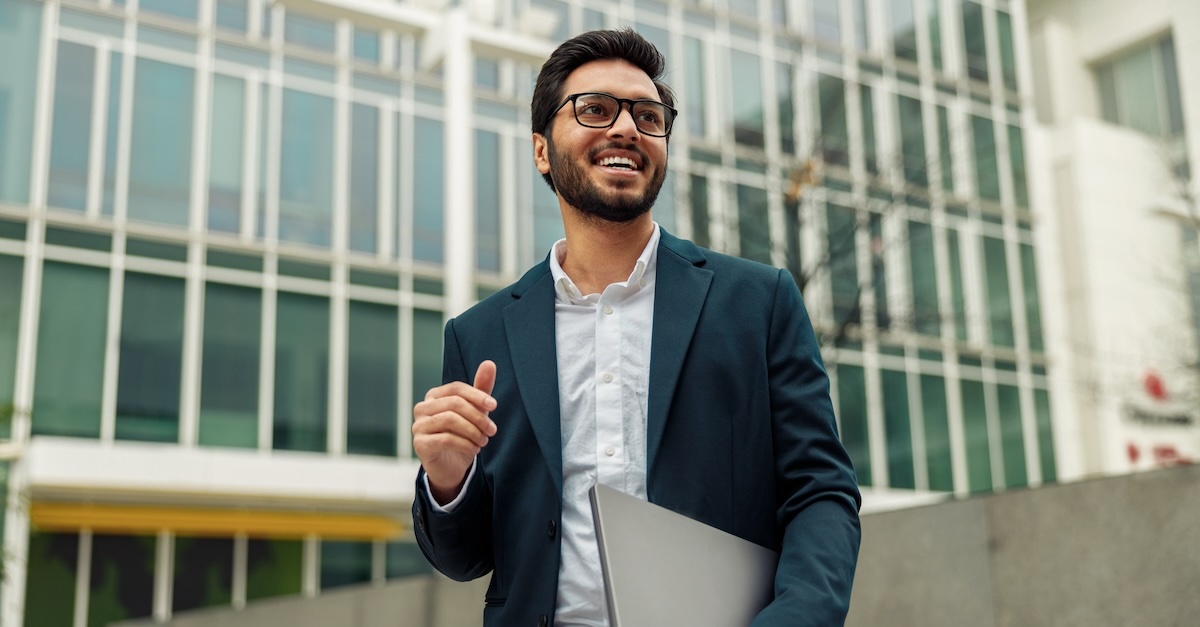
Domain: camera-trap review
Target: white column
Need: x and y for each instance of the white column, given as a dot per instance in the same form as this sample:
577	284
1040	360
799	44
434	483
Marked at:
459	166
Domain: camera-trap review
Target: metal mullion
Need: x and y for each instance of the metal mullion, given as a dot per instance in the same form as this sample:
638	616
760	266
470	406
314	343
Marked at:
311	565
266	366
125	125
995	433
251	115
116	292
43	115
238	577
83	575
163	574
916	423
958	438
95	173
386	191
509	263
406	395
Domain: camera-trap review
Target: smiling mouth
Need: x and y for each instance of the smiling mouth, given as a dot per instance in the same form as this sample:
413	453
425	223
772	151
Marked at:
618	163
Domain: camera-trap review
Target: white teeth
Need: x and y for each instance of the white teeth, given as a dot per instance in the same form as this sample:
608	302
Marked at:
618	161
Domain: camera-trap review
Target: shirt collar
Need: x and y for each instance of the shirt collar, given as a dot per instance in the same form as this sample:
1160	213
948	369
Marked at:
643	272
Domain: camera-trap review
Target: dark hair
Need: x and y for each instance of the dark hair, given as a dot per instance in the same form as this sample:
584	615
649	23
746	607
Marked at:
624	44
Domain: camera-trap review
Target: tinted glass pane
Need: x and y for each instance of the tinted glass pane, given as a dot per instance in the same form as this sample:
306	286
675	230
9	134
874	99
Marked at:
225	154
937	433
70	135
20	32
843	264
1141	101
912	141
364	179
695	76
754	228
232	14
161	150
946	153
50	579
229	375
373	373
151	358
70	358
306	169
404	559
273	568
1011	436
935	33
308	31
879	273
428	191
700	220
1033	308
787	113
1170	73
547	219
852	415
1041	400
122	578
835	139
1008	56
1016	156
926	318
898	430
826	18
203	573
10	317
185	9
344	563
1106	81
975	432
666	207
301	372
957	299
112	134
974	43
427	351
999	299
904	30
870	154
987	176
747	98
487	200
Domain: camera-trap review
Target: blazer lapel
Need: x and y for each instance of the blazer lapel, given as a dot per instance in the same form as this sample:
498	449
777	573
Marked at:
680	287
529	327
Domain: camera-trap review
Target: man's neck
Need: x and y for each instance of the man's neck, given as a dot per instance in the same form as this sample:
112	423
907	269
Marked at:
602	253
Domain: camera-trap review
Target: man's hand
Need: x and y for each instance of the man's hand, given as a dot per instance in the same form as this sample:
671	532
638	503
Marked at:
449	428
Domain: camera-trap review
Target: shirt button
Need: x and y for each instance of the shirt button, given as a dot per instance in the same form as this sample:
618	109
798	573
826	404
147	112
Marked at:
607	377
608	309
610	451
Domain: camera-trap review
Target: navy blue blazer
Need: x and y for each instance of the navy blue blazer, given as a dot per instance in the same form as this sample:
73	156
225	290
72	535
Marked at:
740	435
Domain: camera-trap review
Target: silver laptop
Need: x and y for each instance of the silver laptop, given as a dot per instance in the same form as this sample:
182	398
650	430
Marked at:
662	568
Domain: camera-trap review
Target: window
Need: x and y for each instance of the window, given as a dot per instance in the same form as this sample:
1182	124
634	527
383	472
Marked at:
20	31
937	433
694	81
11	269
306	169
787	107
1041	402
309	31
364	179
69	140
898	430
122	578
428	192
229	376
699	210
852	416
427	352
958	301
372	379
912	141
160	161
870	152
987	174
225	154
1011	437
883	318
1008	56
935	33
974	42
50	578
273	568
746	90
843	264
301	372
754	228
232	14
1140	89
487	200
344	563
926	317
1033	308
826	21
975	432
151	358
945	153
835	140
203	573
999	299
904	30
70	360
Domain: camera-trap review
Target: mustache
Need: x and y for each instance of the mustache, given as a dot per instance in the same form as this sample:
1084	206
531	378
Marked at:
619	146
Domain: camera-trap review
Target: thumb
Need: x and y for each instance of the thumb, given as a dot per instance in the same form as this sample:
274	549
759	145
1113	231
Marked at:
485	377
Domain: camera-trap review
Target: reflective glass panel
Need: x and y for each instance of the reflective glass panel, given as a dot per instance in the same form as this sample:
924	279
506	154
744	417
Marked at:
405	559
344	563
666	208
364	179
1011	436
71	132
273	568
944	149
428	190
1041	401
883	318
184	9
487	200
151	358
835	140
225	154
826	21
1033	308
899	431
699	210
926	317
20	32
843	264
160	159
122	578
1016	158
301	372
975	432
937	433
116	69
50	578
754	229
11	269
232	14
987	176
935	33
957	298
203	573
747	98
427	351
229	376
373	379
870	154
912	141
852	416
975	46
306	169
695	101
1008	56
904	29
70	360
787	112
309	31
999	299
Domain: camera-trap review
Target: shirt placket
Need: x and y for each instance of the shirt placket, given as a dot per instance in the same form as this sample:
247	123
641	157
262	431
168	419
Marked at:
610	454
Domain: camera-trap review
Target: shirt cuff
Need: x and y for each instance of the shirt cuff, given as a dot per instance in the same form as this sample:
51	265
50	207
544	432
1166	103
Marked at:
449	507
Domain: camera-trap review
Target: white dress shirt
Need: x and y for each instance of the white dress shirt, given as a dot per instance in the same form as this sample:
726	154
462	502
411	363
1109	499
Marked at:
603	348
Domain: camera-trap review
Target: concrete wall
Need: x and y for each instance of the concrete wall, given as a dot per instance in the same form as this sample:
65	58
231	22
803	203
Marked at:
1108	552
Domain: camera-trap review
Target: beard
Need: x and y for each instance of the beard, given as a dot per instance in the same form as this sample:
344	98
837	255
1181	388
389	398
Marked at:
572	182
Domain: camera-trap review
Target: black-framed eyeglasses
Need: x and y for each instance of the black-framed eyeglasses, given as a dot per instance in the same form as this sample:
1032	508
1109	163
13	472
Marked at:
595	110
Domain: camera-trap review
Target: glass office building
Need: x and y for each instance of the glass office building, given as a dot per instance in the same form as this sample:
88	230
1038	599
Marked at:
225	260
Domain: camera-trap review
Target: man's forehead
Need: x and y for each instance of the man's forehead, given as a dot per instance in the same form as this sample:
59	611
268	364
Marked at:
611	76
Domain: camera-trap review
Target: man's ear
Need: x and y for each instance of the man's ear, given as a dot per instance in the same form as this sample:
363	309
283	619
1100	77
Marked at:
541	153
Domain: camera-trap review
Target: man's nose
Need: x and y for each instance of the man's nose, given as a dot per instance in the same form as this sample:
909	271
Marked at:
624	126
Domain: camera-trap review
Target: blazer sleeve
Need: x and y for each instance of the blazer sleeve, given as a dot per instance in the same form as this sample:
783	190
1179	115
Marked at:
817	496
458	543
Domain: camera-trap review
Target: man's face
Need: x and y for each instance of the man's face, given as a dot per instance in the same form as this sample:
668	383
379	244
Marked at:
581	159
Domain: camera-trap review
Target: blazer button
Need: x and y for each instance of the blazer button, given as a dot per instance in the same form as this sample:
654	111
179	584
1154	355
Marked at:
550	529
543	621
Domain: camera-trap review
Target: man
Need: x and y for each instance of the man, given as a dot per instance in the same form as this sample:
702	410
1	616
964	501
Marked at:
635	359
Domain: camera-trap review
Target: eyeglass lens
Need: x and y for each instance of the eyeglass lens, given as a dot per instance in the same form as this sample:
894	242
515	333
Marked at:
601	110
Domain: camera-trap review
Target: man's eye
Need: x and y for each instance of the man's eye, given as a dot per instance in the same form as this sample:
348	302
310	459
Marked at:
648	116
593	109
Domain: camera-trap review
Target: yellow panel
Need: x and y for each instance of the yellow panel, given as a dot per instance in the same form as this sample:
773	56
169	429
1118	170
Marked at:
124	519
